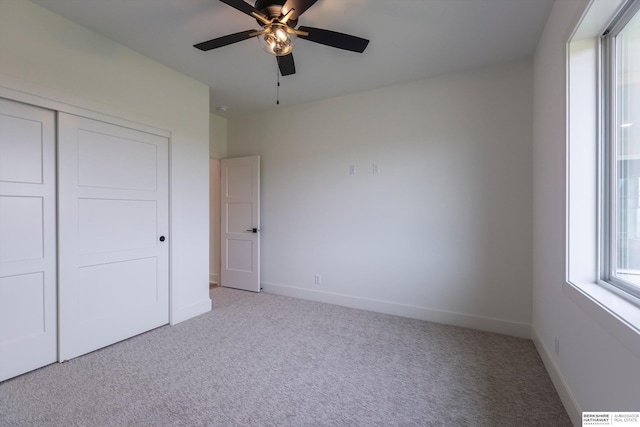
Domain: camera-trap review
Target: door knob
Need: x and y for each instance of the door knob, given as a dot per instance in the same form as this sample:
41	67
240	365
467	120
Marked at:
162	238
253	230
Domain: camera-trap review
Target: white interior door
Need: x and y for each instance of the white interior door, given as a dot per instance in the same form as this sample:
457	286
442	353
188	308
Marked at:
240	217
28	327
113	241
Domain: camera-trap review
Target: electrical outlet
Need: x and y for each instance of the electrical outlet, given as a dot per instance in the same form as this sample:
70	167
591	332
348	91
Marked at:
317	279
376	168
352	169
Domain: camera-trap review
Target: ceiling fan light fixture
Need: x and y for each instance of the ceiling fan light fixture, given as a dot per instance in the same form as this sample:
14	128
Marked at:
276	40
278	20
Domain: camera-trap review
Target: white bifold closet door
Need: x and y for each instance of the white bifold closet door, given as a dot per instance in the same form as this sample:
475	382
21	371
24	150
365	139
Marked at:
113	233
28	329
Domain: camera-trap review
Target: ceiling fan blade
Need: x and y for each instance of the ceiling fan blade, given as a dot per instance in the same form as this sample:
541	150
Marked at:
286	64
245	7
335	39
299	6
226	40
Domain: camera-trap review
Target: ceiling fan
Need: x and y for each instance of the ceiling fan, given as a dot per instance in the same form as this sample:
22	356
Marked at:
278	19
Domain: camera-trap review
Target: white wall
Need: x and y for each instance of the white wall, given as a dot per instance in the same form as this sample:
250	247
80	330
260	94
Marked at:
595	369
442	233
49	56
217	137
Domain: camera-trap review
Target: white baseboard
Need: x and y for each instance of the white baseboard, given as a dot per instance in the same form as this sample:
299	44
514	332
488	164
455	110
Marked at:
185	313
213	278
522	330
567	398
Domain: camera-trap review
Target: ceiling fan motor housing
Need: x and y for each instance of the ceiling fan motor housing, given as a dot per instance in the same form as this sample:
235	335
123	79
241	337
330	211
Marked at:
273	9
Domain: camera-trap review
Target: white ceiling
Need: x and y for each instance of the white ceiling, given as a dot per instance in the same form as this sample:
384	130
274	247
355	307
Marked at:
409	40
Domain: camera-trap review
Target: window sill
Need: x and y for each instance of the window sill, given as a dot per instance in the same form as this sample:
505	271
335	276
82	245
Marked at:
615	314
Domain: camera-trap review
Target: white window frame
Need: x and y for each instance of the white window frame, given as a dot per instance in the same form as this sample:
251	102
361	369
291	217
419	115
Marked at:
601	302
608	139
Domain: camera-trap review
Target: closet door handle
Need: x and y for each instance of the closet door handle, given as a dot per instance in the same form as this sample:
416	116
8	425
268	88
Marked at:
162	238
253	230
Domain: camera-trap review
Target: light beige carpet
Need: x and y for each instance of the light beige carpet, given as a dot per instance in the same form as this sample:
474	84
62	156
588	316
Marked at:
266	360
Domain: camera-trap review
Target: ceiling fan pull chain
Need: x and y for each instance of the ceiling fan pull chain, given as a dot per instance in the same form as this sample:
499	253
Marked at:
278	80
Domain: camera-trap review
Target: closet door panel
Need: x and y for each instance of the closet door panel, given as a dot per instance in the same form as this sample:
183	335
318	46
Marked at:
114	242
28	288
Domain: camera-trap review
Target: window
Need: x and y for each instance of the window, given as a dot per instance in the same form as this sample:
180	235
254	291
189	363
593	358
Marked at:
588	206
620	168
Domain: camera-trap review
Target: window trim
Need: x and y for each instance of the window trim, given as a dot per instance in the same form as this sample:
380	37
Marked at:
607	140
601	303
